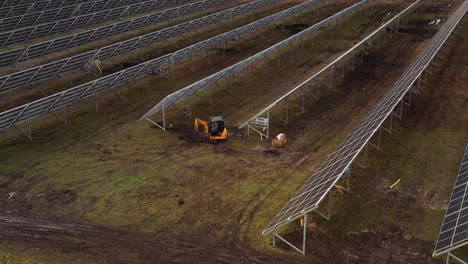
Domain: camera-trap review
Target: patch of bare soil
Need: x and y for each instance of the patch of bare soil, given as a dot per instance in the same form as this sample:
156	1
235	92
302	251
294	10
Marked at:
189	135
437	6
392	246
15	202
118	67
441	105
419	33
61	197
293	28
412	193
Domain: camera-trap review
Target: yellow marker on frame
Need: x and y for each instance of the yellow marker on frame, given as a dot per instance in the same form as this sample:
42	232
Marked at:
395	184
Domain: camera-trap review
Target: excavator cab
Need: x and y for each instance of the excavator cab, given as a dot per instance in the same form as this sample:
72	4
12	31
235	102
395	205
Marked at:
214	130
216	126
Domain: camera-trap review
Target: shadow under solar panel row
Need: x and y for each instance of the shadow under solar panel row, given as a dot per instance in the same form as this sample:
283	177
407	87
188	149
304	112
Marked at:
50	15
56	101
66	25
454	230
246	63
309	196
27	77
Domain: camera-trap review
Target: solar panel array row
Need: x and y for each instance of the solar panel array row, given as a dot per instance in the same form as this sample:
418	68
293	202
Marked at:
454	229
320	183
50	15
65	25
26	77
47	47
244	64
358	46
35	6
43	106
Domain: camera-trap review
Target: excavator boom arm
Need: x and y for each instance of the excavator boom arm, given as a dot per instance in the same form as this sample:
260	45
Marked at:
199	122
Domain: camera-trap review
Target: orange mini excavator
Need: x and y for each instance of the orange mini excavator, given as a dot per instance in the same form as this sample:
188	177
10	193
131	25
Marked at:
215	130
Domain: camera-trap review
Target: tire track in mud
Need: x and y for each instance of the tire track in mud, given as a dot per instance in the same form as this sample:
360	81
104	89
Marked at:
40	229
233	231
237	234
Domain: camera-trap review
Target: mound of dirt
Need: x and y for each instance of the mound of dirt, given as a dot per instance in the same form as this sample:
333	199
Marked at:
16	202
61	197
235	132
193	136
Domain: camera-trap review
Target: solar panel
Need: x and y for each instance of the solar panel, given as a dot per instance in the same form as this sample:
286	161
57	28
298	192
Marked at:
310	195
454	231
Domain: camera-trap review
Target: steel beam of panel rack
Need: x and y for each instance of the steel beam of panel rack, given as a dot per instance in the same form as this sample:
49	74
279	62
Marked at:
314	191
333	66
81	38
24	113
210	81
52	69
49	15
454	231
66	25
